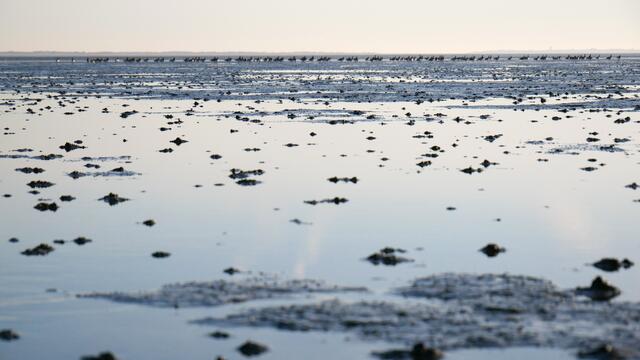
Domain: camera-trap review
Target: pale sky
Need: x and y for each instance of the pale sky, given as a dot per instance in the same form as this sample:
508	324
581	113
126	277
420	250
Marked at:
411	26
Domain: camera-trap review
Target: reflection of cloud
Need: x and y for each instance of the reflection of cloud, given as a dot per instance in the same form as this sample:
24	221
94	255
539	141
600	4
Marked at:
573	223
312	250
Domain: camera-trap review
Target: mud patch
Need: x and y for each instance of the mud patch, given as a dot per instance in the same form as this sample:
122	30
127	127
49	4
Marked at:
579	148
220	292
78	174
454	311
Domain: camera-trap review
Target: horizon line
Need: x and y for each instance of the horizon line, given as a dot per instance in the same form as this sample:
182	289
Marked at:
308	52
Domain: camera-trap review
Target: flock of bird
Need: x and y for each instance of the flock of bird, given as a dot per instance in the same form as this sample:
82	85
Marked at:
411	58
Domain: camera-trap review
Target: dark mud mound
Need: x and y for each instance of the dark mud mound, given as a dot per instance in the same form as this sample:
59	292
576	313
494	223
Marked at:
453	311
115	172
417	352
580	148
222	292
484	288
387	256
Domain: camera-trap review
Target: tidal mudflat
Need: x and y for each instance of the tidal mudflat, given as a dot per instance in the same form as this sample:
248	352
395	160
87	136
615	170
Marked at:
391	208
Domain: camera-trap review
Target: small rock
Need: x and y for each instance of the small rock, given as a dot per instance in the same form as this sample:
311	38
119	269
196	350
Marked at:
250	348
626	263
492	250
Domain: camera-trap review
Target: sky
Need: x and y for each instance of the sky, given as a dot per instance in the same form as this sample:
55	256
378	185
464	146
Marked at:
379	26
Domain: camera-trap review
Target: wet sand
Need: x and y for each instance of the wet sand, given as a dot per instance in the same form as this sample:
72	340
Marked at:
247	191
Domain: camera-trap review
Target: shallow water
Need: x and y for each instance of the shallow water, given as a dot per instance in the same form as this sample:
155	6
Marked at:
554	217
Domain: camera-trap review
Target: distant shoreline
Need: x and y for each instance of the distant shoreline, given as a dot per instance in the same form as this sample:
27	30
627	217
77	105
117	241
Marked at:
64	54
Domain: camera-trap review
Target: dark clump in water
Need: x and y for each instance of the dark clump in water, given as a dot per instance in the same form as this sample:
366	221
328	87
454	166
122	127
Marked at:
336	200
231	270
46	206
251	348
178	141
219	335
113	199
243	174
8	335
336	179
469	170
387	256
600	290
602	352
30	170
299	222
417	352
70	147
39	184
492	250
492	138
40	250
126	114
102	356
81	240
248	182
48	157
611	264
